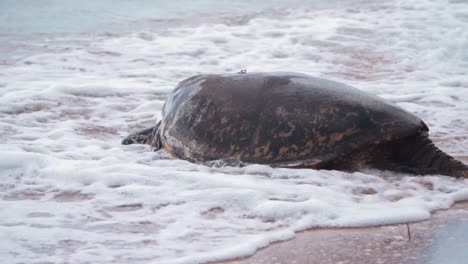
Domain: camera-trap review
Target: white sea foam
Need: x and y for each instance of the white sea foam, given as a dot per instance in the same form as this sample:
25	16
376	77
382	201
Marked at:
71	193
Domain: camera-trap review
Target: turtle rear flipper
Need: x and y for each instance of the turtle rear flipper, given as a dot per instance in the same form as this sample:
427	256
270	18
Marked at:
147	136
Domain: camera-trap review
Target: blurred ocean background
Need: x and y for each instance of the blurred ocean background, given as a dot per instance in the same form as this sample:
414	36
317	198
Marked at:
26	20
78	76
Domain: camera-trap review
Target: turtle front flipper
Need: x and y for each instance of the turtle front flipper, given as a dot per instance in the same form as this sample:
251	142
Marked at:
148	136
420	153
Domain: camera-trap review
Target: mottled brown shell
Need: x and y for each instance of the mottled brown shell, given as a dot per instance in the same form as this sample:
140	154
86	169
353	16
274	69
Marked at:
284	119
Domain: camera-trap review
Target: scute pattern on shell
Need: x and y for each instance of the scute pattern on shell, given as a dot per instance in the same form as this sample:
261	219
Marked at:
279	118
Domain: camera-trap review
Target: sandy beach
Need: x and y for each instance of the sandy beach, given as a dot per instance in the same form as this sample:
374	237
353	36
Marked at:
430	241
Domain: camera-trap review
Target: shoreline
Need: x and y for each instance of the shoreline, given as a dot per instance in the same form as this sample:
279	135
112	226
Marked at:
426	242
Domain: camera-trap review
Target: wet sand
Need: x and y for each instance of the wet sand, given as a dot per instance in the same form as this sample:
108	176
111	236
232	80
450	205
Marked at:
439	240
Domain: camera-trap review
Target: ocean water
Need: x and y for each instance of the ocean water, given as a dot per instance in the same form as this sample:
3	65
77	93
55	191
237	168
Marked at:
76	77
450	245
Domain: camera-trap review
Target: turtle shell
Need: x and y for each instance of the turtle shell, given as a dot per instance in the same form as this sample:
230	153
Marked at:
283	119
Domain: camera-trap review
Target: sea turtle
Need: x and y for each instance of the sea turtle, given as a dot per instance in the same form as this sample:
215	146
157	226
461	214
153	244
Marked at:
292	120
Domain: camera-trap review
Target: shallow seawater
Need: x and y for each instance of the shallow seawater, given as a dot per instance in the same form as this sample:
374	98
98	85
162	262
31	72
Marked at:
450	245
74	82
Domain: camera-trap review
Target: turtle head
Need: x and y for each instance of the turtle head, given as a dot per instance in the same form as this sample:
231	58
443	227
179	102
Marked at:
420	153
462	173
